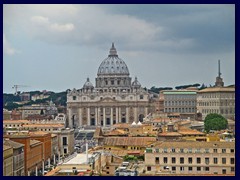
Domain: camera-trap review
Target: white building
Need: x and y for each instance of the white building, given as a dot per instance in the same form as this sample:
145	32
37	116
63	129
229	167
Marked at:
114	99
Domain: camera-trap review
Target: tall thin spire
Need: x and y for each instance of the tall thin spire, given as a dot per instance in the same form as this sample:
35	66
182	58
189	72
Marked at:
219	72
219	81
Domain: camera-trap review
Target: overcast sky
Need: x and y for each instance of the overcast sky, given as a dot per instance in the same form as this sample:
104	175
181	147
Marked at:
56	47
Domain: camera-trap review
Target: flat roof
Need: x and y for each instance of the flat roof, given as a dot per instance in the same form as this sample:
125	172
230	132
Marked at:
79	159
180	92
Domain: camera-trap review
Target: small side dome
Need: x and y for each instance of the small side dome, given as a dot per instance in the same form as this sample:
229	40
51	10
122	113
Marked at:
139	123
136	83
88	84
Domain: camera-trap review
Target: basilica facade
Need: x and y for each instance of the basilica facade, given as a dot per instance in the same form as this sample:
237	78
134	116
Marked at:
115	98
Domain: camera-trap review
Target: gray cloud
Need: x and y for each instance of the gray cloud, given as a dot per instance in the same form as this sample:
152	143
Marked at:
164	45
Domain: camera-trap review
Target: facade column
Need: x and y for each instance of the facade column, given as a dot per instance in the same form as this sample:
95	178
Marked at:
59	156
43	167
48	162
36	171
99	117
111	116
88	116
135	115
120	115
127	115
104	117
96	116
116	115
80	116
54	159
70	121
146	112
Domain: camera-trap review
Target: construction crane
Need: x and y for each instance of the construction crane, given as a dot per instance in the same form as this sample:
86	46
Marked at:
16	88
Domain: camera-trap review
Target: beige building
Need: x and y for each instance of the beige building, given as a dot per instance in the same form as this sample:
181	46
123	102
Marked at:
217	99
65	136
220	100
18	157
190	158
37	109
179	101
7	160
114	99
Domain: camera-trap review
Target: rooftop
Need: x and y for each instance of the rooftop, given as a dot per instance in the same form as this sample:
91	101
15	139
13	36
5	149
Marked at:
13	144
128	141
194	144
179	92
217	89
79	159
16	121
44	125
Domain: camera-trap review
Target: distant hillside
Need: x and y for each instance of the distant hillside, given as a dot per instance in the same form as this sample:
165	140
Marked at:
11	101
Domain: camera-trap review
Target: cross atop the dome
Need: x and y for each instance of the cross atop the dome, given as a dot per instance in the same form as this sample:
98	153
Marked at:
113	51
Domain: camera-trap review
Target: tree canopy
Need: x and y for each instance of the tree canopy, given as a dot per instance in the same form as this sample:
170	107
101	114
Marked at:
187	86
215	122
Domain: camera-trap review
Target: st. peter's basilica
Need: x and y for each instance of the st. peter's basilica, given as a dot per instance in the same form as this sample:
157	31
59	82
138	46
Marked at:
113	99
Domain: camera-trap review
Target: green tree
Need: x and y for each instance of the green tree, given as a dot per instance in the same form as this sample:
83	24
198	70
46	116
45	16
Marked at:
215	122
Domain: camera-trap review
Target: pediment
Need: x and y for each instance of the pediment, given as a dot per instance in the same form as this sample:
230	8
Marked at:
108	99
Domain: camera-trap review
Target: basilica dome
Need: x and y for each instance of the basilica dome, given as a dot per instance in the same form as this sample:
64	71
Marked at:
113	65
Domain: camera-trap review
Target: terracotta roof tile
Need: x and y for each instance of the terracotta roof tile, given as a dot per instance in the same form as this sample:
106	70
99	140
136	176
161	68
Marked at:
127	141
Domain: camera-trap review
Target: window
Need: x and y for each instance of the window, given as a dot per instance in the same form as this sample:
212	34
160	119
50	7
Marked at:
165	160
223	150
232	169
197	151
190	150
173	160
206	160
108	121
232	160
107	172
223	160
181	168
165	150
107	167
215	150
74	97
112	82
181	160
206	168
198	160
181	150
189	168
173	168
215	160
198	168
224	171
190	160
232	150
141	96
64	141
206	150
149	168
157	160
65	151
92	122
